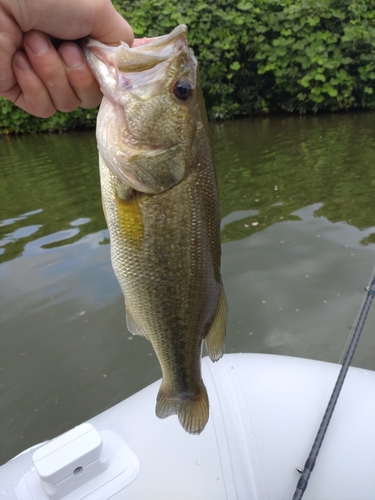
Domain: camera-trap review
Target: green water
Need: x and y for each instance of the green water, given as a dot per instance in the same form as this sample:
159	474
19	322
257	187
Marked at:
298	230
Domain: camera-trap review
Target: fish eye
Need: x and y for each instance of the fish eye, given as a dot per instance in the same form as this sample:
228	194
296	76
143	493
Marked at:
183	90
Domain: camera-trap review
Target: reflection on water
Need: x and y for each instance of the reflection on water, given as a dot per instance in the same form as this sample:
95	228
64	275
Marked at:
49	192
298	228
278	165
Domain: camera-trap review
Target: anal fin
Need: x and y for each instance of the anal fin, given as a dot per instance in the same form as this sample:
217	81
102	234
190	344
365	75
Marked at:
215	338
132	325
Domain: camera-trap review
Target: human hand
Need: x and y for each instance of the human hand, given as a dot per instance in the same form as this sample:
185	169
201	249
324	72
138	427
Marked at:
35	75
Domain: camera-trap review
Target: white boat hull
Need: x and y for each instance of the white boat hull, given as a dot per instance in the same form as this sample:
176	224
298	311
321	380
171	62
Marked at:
265	411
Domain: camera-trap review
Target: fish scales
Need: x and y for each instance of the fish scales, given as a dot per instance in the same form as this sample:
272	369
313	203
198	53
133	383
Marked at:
164	222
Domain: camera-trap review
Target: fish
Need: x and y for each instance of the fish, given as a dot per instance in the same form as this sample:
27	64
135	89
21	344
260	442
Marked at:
160	200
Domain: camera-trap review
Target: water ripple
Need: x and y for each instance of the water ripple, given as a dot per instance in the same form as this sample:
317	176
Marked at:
50	183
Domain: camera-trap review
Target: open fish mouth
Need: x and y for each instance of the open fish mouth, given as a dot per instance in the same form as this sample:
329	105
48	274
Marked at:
144	55
138	84
155	49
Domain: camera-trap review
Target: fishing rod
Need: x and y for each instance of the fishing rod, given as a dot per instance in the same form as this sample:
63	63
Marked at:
310	462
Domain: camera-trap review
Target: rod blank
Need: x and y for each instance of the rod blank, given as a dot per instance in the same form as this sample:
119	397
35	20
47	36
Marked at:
310	462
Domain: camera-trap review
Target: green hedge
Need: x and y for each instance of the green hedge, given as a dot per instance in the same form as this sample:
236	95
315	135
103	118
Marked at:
14	120
257	56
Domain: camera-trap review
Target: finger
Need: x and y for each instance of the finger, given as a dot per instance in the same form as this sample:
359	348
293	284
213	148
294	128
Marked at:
70	20
80	76
10	42
30	94
50	69
112	27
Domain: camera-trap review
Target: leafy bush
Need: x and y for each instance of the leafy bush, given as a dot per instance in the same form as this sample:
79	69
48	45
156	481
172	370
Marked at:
256	56
14	120
268	55
320	55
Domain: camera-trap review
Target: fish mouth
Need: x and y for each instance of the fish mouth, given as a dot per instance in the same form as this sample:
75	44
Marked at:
144	54
141	67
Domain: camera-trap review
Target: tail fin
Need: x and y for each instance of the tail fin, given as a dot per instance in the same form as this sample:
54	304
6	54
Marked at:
192	411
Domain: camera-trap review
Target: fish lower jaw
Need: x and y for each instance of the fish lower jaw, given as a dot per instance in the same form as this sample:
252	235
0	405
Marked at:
134	148
141	146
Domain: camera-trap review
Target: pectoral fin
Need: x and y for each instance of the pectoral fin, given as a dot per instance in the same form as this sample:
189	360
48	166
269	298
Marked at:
130	219
215	338
132	325
104	211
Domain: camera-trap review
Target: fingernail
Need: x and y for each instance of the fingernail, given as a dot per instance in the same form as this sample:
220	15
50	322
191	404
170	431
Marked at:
72	56
22	62
38	43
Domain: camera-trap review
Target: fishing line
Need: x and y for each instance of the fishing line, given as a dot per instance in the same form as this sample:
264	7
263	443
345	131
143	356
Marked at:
310	462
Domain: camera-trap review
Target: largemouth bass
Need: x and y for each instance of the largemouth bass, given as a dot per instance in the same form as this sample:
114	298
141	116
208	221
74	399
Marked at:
161	205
